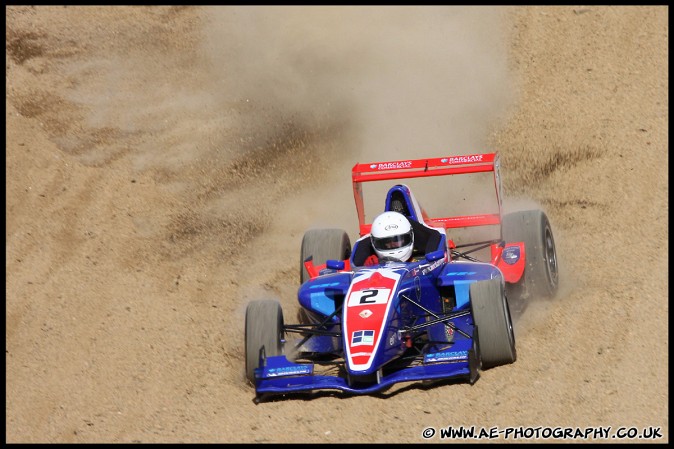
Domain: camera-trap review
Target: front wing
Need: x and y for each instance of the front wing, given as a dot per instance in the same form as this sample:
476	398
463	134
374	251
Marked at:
278	375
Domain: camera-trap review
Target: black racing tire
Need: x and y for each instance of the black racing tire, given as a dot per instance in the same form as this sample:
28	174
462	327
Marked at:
323	244
491	315
264	328
541	273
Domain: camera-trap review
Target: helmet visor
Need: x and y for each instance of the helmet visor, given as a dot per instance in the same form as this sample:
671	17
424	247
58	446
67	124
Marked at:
393	242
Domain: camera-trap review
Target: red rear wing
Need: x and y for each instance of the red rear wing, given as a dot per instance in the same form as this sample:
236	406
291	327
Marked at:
417	168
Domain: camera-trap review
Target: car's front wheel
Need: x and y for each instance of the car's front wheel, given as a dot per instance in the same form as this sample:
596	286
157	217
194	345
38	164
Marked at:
264	329
491	315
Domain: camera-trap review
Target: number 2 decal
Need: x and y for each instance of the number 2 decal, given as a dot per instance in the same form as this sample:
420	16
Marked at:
370	294
369	297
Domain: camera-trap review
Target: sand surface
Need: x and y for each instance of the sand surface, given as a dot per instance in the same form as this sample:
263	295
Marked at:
163	163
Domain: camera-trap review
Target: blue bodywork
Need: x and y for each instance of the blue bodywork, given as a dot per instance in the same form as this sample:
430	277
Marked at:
427	333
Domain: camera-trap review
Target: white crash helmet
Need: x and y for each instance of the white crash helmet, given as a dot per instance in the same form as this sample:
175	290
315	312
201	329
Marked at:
392	237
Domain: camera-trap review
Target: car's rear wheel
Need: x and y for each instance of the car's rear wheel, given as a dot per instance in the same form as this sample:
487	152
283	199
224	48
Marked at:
541	274
264	328
323	244
491	315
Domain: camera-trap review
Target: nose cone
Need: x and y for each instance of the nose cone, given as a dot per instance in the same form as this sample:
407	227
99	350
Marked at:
365	317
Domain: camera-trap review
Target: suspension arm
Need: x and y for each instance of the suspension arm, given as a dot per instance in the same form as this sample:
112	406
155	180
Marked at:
443	320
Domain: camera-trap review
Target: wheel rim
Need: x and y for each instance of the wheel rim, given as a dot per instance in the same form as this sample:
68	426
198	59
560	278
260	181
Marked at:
551	257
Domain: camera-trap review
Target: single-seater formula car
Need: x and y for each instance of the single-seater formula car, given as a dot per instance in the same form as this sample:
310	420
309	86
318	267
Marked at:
366	324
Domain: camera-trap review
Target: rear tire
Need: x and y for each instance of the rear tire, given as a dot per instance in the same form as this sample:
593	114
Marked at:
541	275
491	315
264	328
323	244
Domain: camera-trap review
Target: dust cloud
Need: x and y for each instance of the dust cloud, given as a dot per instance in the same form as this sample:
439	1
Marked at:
368	83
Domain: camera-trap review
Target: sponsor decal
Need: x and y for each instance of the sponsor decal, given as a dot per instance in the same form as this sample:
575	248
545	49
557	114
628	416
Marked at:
362	338
511	255
462	273
432	266
365	313
289	371
393	165
449	332
444	160
373	166
391	226
466	159
446	356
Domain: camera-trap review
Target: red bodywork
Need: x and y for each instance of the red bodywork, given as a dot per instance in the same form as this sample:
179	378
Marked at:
444	166
418	168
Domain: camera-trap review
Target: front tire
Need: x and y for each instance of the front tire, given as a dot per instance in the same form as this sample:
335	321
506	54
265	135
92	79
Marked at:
264	328
491	315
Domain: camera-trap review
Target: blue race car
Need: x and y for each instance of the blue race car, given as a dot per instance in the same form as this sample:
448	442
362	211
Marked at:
367	323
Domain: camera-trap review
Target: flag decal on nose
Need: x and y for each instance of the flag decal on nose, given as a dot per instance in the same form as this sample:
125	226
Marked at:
362	338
